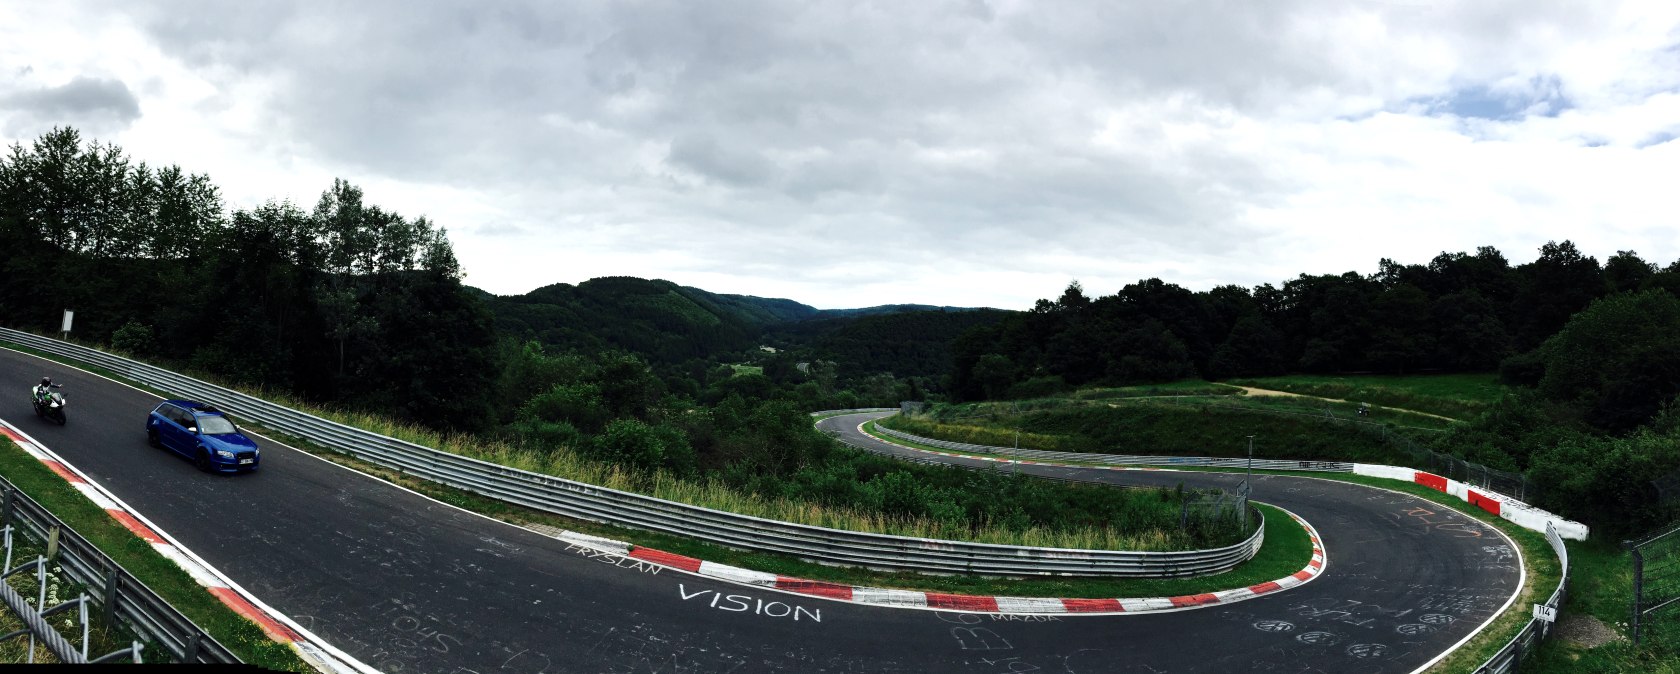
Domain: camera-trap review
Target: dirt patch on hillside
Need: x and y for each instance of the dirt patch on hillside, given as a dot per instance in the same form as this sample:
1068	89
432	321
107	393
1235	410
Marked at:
1260	392
1586	631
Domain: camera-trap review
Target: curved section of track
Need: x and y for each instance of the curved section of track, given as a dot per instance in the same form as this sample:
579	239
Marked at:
405	583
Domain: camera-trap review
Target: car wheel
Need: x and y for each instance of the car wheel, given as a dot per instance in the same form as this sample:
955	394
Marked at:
153	439
203	459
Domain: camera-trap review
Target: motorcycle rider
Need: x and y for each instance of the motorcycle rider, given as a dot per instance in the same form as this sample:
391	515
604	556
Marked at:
45	389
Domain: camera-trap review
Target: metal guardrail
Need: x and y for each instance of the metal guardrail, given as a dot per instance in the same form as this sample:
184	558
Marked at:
122	597
1120	459
599	504
1509	658
859	410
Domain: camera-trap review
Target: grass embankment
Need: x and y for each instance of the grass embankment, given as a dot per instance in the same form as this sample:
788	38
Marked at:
1187	387
1317	409
1460	396
242	636
1164	428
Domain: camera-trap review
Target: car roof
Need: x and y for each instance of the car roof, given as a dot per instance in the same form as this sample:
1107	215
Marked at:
195	406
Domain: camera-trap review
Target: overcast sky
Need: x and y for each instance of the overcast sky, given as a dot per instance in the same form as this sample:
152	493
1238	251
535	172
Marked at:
850	154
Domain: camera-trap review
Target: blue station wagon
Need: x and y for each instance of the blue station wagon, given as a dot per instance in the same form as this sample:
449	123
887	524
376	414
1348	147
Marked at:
201	433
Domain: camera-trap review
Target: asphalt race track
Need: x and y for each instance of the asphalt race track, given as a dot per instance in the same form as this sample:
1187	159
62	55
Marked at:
407	584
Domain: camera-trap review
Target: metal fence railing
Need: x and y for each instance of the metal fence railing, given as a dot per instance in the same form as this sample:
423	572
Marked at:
122	598
1121	459
590	502
859	410
1656	575
1510	658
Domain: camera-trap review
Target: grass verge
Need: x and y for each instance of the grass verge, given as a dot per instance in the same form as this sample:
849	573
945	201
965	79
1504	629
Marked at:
1187	387
241	636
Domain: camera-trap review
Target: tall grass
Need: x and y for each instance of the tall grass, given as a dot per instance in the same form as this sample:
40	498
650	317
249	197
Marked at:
1008	413
1187	387
568	464
990	435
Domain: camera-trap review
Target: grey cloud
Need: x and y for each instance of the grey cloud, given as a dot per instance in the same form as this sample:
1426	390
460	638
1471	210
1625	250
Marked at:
499	229
726	163
802	117
93	104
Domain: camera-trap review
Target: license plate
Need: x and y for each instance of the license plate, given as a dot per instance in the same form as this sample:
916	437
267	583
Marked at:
245	461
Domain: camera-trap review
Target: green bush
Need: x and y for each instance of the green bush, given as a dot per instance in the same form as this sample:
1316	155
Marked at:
134	338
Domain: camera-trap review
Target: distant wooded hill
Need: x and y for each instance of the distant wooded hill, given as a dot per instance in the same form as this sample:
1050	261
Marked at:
672	324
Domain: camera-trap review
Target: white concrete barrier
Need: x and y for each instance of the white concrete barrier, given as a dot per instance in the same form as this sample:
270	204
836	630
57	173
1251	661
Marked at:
1507	508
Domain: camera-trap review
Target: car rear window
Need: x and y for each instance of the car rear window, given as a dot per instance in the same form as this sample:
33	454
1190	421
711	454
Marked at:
174	414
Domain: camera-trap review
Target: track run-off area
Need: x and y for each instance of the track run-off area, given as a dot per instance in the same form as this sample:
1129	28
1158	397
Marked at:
404	583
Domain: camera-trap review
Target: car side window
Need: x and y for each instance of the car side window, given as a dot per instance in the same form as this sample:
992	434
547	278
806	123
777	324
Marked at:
176	415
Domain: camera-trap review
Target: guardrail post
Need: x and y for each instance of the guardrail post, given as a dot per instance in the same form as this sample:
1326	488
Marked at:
1638	587
189	650
112	587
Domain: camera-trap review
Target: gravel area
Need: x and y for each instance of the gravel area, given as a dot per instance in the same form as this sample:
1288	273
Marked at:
1586	630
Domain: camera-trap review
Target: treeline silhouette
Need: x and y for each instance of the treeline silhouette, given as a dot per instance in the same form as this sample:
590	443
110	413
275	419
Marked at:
1461	312
345	303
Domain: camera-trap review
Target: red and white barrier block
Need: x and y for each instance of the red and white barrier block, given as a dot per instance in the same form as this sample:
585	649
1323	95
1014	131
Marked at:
1507	508
937	601
310	648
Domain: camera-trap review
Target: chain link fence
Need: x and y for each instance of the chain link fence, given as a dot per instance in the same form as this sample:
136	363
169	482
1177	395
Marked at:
1217	506
1656	576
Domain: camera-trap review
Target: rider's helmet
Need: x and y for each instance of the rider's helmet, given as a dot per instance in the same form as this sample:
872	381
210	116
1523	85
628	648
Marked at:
46	381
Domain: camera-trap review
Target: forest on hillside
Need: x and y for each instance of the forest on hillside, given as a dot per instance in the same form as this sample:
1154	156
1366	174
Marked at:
1461	312
344	303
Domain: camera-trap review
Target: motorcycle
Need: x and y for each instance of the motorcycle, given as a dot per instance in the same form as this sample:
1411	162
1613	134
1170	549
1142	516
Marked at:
50	406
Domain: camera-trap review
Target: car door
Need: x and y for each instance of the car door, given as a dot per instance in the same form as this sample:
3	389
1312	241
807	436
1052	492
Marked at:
175	435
